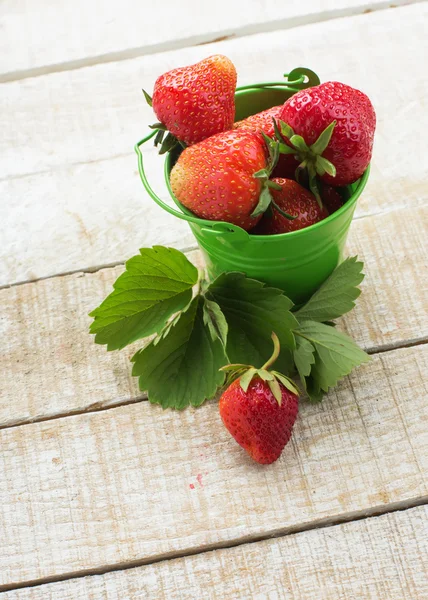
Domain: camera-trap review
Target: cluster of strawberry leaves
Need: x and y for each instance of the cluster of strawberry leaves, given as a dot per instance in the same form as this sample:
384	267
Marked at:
197	327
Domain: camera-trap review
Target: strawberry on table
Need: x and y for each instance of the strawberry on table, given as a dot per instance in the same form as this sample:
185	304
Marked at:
331	127
195	102
259	408
295	201
215	178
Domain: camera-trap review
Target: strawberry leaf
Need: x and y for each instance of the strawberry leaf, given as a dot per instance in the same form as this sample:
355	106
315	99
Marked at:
337	294
182	367
215	320
156	284
253	310
313	390
336	354
303	357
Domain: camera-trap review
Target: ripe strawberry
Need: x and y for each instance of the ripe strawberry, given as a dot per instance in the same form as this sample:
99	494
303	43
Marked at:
198	101
263	121
331	198
295	201
259	409
332	128
215	178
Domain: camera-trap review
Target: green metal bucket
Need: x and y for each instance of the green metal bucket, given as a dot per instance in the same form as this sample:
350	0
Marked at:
296	262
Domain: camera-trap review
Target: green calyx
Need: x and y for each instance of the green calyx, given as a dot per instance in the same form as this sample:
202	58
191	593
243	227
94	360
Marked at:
310	156
265	198
246	374
167	142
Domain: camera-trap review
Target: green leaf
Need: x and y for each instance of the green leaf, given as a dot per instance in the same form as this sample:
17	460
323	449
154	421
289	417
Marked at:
246	378
159	137
324	165
284	149
323	140
313	390
182	369
337	294
215	320
276	390
273	185
299	143
253	311
262	174
282	212
168	144
303	357
336	354
156	284
286	382
158	125
264	201
286	130
148	98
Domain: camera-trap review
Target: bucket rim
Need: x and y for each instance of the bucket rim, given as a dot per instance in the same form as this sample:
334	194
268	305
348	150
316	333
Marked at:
205	223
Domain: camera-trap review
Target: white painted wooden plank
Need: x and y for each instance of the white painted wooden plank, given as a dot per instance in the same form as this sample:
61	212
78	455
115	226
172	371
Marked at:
378	558
51	366
51	35
85	215
139	483
82	216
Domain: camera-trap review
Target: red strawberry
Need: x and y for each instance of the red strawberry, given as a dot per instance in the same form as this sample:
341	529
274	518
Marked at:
294	200
259	409
215	178
346	116
331	198
263	121
198	101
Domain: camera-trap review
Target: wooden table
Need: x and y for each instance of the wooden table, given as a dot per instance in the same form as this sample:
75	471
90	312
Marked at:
105	496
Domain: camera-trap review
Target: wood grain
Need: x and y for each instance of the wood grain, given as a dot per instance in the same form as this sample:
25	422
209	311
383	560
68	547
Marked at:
382	558
86	207
139	483
98	32
51	365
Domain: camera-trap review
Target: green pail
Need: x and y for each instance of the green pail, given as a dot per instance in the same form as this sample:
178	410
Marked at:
296	262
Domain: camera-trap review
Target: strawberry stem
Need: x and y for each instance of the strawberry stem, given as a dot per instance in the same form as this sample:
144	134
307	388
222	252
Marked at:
276	351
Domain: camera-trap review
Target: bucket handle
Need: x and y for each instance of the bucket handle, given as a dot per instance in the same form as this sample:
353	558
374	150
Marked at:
212	227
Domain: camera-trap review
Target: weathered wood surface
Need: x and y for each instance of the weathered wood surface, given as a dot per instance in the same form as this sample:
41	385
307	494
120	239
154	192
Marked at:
139	483
382	558
51	365
67	138
98	31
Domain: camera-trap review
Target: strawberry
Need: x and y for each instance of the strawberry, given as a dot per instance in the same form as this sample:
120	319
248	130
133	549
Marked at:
195	102
331	127
291	200
259	409
263	122
331	198
216	180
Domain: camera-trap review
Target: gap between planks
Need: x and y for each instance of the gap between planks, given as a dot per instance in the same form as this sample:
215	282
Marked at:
185	250
196	40
326	522
95	408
